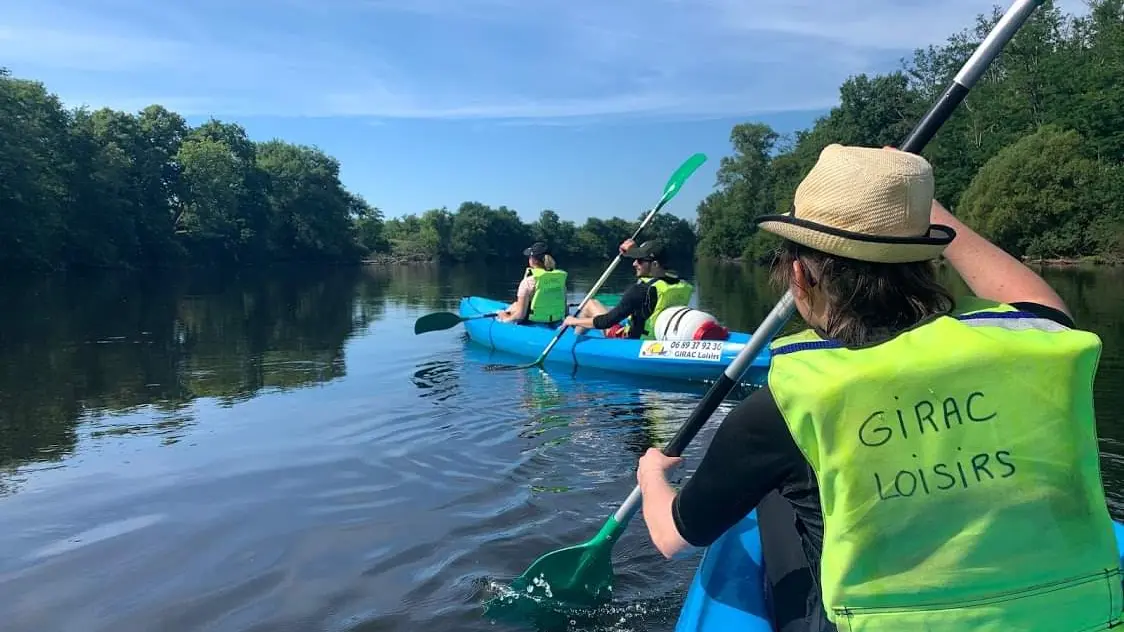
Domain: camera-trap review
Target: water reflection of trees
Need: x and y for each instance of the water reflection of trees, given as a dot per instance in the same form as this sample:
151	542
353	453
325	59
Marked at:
739	294
98	347
101	348
437	288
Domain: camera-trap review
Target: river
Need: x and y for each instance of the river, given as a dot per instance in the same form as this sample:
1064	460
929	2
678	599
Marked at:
274	449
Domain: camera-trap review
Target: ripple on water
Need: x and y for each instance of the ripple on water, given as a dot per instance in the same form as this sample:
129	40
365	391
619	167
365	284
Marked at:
415	487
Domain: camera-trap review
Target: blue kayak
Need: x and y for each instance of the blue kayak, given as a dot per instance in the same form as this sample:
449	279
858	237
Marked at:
698	360
728	591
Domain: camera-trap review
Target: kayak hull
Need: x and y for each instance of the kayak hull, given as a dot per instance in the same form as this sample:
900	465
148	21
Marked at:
593	350
728	589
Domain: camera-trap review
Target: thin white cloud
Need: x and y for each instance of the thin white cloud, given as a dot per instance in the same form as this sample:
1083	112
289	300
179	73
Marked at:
77	50
468	59
659	105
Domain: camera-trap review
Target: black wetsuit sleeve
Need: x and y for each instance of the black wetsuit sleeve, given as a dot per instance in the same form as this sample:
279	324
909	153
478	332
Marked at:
752	454
631	301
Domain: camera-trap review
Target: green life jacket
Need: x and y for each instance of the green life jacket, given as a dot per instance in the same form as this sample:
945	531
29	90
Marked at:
548	303
959	474
667	295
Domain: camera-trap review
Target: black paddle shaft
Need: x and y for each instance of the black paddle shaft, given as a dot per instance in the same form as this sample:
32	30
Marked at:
916	140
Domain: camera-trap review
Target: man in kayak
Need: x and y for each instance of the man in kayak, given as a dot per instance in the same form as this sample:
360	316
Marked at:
656	289
541	296
917	463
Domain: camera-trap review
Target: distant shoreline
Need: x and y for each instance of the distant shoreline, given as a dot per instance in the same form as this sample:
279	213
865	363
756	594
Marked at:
1070	262
387	259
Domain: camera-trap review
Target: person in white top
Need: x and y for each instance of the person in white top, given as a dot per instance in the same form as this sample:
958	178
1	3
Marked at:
539	260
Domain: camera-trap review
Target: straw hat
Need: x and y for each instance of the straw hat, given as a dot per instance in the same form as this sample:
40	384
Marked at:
867	204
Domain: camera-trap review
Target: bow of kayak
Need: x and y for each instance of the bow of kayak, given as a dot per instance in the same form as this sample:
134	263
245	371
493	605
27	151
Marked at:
728	590
700	360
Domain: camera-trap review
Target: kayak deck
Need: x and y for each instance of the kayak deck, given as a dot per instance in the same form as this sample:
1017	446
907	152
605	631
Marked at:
701	361
728	589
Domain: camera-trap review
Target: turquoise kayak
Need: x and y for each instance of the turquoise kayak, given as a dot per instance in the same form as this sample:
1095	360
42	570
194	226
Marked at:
698	360
728	590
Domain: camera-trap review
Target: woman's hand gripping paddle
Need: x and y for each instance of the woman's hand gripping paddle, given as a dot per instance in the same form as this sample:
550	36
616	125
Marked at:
582	575
670	190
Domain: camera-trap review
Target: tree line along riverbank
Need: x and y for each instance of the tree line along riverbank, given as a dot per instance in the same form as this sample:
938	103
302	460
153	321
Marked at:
1031	159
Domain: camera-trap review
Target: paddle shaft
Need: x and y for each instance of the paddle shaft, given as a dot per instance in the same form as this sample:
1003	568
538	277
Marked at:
604	277
984	54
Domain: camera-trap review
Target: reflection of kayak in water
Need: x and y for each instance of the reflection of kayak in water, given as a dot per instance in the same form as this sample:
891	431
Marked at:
728	590
696	360
664	411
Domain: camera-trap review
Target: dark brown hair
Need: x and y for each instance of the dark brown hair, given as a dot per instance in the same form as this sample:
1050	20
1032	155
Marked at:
866	301
546	261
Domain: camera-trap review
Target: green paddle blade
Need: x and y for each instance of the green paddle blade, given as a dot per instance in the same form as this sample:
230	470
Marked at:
609	300
675	182
579	575
436	322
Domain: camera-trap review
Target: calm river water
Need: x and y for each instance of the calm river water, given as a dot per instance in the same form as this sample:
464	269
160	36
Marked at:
276	450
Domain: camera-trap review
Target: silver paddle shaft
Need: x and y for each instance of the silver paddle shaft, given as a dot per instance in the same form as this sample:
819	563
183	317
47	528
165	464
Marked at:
605	276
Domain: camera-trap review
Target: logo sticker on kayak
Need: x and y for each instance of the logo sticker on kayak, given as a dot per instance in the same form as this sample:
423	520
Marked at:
702	350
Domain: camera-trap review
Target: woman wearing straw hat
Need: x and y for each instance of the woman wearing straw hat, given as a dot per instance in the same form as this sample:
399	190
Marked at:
937	459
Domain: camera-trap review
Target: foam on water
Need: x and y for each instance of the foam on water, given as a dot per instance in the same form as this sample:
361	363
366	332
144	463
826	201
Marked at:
534	609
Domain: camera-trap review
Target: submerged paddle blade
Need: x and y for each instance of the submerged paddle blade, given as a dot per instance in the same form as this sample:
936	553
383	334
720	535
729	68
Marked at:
579	575
675	182
436	322
510	367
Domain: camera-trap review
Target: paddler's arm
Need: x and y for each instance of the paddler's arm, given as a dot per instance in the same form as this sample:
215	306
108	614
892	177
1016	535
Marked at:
752	454
632	298
518	310
990	272
658	497
513	312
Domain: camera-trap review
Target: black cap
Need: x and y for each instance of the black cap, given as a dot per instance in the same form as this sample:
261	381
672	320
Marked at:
651	250
537	249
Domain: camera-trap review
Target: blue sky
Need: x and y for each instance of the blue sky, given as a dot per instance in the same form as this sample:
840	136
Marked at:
581	106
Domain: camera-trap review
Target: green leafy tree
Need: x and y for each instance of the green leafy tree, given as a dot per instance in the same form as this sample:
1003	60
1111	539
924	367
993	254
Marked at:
369	225
1040	196
1041	191
107	188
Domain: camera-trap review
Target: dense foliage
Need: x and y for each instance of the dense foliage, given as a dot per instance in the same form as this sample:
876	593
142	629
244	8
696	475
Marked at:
1031	159
476	231
112	189
107	189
